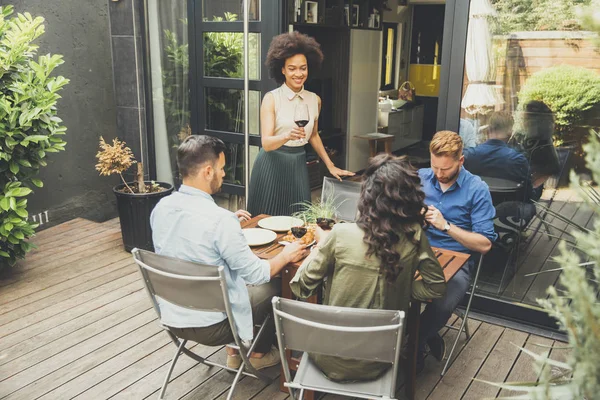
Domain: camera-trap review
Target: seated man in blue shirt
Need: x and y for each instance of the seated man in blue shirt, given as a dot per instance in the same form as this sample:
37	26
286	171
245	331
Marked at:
496	159
190	226
460	214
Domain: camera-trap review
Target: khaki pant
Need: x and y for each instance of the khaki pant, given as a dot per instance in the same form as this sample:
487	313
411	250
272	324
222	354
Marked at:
220	334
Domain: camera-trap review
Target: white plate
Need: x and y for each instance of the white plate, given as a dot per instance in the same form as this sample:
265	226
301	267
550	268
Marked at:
285	243
280	224
258	237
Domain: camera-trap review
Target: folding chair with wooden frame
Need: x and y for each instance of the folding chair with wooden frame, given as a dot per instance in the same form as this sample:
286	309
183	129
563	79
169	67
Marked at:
196	287
355	333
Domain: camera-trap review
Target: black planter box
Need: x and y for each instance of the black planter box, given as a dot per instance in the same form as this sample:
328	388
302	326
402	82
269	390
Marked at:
134	215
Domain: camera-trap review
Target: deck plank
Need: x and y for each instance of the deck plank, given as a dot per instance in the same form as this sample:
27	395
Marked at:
64	306
467	363
26	292
497	365
76	322
38	327
111	273
80	328
430	377
523	369
535	257
56	370
542	281
50	266
152	382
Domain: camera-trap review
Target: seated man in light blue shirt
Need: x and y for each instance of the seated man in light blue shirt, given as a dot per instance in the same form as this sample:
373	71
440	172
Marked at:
190	226
460	214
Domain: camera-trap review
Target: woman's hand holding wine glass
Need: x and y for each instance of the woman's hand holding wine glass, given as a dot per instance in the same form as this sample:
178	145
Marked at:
296	134
301	118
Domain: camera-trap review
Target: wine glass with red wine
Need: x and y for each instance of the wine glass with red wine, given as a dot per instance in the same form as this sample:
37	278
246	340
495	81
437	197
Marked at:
301	116
299	231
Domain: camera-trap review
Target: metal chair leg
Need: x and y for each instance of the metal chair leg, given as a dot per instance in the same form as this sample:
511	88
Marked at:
171	367
302	394
463	325
235	381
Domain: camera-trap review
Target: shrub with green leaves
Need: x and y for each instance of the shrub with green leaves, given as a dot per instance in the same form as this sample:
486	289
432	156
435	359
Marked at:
29	125
567	90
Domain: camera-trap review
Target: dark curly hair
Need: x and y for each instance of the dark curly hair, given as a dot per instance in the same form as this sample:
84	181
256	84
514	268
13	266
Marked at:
391	203
288	45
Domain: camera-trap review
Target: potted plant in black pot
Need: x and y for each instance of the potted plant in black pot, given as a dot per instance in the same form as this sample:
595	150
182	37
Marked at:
135	200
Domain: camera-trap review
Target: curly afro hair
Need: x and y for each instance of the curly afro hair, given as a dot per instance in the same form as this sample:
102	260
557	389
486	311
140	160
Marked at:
288	45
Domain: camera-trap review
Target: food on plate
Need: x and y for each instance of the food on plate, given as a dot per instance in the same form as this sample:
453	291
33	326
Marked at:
308	238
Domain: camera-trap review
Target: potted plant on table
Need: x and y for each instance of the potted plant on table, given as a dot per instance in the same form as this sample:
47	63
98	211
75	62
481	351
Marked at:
135	200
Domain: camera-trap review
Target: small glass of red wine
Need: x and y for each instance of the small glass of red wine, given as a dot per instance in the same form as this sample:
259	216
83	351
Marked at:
301	116
298	231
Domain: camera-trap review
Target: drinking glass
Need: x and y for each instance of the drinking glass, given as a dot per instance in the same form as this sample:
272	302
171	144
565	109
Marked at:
301	116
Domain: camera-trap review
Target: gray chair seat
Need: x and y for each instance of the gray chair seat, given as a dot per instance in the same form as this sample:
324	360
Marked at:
310	376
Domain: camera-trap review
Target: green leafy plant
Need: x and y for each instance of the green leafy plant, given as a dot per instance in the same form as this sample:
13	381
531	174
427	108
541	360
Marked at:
537	15
319	209
567	90
29	125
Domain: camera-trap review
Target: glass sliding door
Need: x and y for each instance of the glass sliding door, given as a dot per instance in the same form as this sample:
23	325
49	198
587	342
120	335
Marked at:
528	81
217	65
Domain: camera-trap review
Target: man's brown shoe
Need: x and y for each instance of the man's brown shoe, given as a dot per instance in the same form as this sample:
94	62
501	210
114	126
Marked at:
268	360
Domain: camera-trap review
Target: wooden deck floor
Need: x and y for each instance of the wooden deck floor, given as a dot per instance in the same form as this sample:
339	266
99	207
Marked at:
76	323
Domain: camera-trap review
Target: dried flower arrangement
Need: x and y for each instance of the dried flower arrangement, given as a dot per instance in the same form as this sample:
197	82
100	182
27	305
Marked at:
116	159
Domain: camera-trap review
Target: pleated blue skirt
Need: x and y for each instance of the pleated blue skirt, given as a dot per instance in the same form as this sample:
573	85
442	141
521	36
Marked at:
279	182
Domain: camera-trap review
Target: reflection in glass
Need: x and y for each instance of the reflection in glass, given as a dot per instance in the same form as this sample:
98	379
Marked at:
234	9
170	90
234	162
229	202
524	64
224	55
225	110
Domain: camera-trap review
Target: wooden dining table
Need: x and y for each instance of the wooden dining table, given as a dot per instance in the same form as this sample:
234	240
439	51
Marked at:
451	262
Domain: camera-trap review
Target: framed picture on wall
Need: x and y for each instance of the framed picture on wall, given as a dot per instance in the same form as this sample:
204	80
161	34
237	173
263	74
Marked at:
355	10
311	12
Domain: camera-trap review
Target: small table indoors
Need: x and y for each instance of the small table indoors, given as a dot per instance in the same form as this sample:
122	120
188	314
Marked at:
373	138
450	261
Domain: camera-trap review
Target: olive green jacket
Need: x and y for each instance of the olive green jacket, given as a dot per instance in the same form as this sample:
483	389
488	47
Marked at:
354	280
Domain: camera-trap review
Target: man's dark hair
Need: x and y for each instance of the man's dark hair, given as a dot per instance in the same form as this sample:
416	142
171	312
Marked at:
288	45
195	151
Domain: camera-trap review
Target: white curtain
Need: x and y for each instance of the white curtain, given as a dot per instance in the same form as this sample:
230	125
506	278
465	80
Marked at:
481	94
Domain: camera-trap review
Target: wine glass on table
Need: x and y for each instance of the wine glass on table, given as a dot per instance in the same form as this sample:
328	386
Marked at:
301	116
299	230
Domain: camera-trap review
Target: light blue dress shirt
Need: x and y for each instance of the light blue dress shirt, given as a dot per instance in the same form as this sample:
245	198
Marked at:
466	204
189	225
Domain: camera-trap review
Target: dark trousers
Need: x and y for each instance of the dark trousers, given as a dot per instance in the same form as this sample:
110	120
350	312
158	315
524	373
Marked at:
438	312
220	334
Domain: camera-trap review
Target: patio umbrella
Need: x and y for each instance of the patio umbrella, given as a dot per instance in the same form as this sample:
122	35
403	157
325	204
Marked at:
480	96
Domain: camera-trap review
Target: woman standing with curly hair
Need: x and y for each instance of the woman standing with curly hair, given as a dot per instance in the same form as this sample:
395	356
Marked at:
280	177
372	263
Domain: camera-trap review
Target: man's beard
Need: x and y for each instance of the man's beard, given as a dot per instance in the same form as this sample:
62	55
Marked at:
215	185
450	179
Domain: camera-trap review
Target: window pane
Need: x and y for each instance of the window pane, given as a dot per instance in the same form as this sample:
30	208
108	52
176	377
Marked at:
169	82
228	201
234	162
532	82
225	110
229	10
224	55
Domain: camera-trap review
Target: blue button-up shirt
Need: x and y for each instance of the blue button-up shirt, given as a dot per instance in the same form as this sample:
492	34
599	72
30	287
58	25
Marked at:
466	204
496	159
189	225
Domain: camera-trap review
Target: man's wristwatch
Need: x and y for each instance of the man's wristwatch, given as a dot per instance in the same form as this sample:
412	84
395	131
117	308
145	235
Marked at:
446	227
